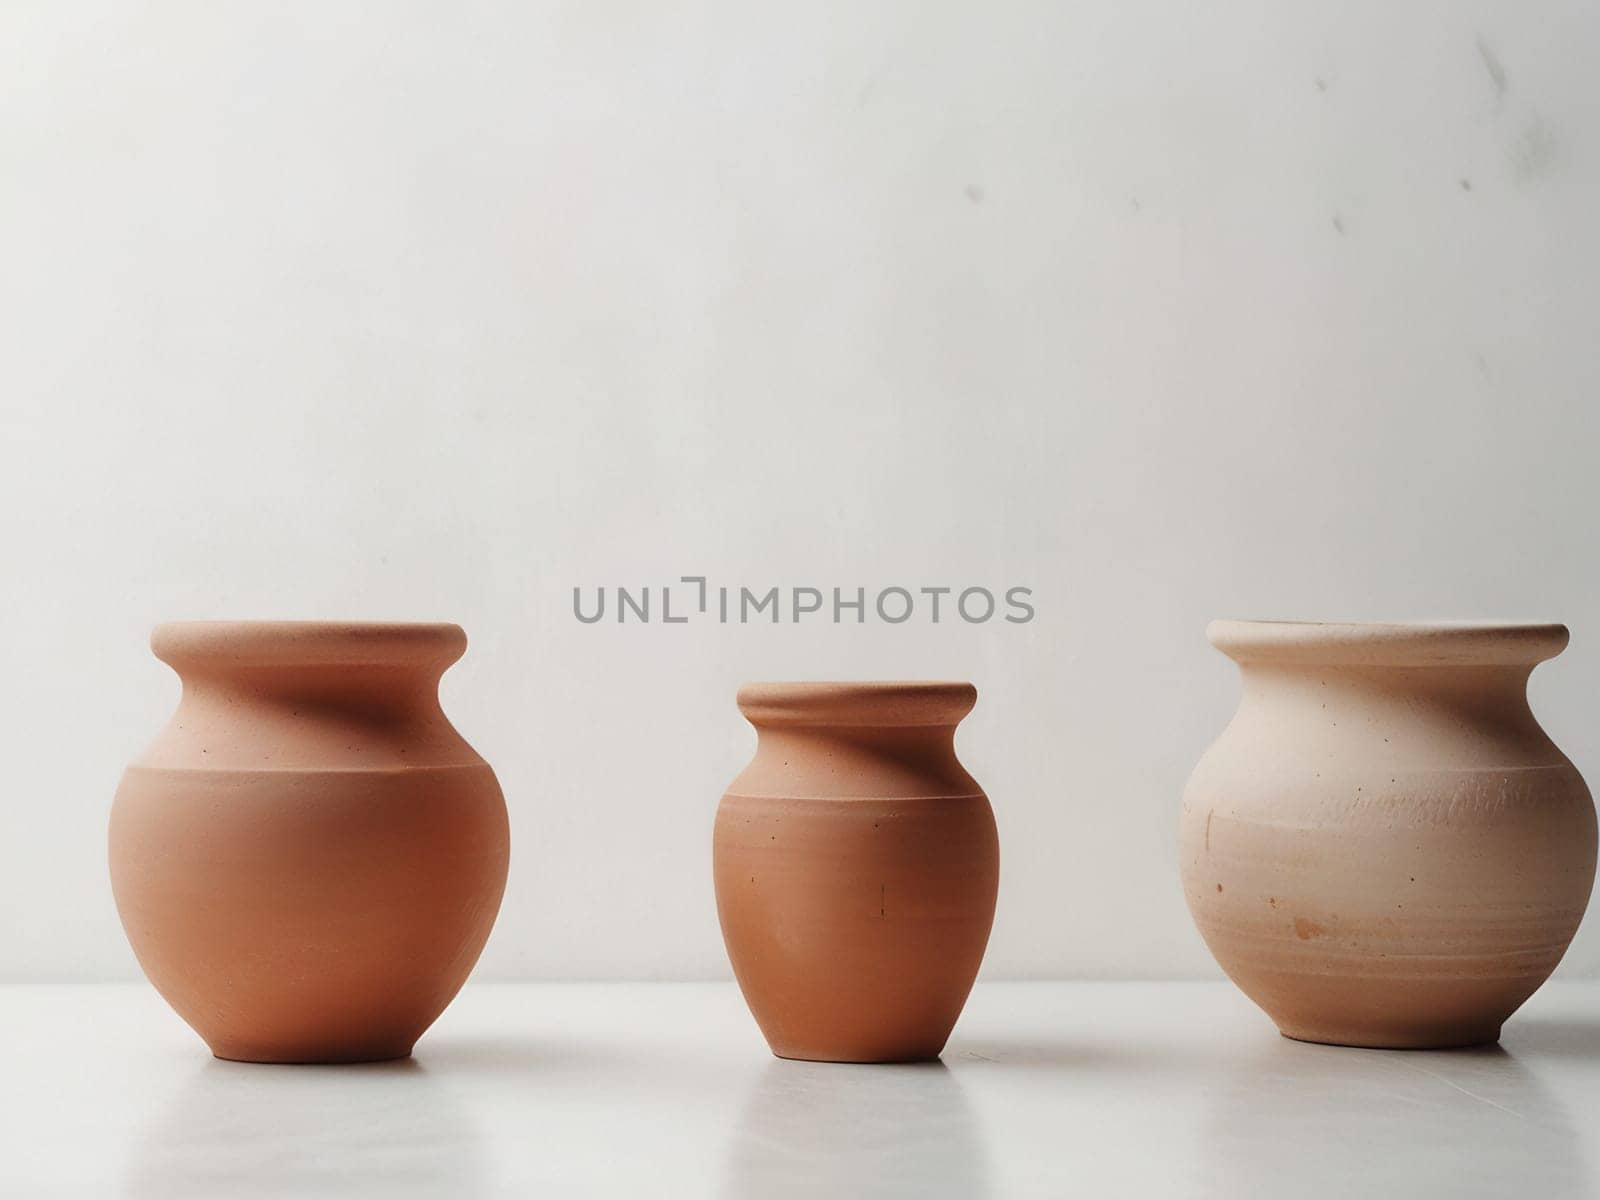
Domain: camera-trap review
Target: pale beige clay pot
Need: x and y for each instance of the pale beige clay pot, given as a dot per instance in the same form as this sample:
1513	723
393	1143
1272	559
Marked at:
309	858
1384	848
856	863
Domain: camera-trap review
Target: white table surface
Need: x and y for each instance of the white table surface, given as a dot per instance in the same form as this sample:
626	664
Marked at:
1140	1089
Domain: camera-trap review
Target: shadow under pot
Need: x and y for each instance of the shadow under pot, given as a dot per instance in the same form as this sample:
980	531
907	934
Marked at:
856	864
1383	848
309	859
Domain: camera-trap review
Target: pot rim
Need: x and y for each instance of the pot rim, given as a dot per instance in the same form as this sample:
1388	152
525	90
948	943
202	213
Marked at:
904	702
1389	643
307	643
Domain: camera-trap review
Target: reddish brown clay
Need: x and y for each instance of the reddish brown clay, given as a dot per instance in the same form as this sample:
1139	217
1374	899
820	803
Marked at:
309	859
856	863
1384	848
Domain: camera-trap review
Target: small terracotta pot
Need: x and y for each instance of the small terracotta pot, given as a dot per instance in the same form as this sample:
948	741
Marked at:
1383	848
309	859
856	863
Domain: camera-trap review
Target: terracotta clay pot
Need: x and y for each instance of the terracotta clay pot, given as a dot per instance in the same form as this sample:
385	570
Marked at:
1383	848
309	858
856	863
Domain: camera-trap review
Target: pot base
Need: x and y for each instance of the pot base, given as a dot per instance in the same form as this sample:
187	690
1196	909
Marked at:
1444	1038
914	1056
360	1054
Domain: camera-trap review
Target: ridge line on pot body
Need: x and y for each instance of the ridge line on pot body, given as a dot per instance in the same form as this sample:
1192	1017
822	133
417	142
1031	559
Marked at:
1383	848
309	858
856	865
781	796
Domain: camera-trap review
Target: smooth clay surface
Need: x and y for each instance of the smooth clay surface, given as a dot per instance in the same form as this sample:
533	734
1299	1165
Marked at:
309	859
856	866
1383	848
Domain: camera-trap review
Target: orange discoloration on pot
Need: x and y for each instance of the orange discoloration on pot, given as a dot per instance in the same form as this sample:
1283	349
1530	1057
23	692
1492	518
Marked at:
309	859
1406	854
856	865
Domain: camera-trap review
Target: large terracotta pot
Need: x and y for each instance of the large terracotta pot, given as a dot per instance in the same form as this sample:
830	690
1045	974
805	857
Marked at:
309	858
856	864
1384	848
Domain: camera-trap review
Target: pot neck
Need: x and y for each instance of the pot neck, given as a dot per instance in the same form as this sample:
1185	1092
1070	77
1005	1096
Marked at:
839	762
309	697
856	739
1464	682
376	691
1493	693
1463	717
1441	683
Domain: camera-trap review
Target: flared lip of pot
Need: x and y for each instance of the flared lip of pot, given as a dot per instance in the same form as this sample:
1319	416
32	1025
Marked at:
226	644
879	703
1389	643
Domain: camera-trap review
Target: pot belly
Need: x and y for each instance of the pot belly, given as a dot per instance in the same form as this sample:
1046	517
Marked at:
1407	910
308	916
856	927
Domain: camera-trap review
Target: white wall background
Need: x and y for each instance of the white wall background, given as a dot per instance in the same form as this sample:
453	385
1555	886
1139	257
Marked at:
437	310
